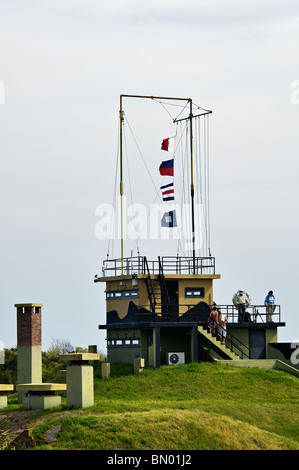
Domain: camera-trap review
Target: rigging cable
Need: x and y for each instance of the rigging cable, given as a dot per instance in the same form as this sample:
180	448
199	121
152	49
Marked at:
156	190
130	185
185	198
172	104
208	181
112	221
198	194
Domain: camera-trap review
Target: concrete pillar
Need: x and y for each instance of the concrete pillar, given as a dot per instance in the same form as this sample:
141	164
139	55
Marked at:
194	345
29	362
157	347
3	399
138	365
79	379
105	369
3	402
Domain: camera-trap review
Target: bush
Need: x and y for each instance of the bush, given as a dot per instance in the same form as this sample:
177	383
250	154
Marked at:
8	371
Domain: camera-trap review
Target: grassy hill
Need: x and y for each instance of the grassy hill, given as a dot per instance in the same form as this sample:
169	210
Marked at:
185	407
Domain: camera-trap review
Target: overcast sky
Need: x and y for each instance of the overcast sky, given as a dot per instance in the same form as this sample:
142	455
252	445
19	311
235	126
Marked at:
63	66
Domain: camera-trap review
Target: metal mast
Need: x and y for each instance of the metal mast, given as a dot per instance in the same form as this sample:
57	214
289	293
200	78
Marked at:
191	155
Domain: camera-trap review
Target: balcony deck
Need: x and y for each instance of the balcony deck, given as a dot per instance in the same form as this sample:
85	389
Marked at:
141	316
167	265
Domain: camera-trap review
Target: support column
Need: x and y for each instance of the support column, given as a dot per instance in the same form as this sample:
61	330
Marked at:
79	379
194	345
157	346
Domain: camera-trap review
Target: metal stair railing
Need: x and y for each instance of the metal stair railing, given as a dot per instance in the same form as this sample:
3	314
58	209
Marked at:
165	300
235	345
149	285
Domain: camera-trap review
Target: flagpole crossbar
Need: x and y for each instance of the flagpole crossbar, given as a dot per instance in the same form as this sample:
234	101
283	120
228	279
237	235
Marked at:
193	116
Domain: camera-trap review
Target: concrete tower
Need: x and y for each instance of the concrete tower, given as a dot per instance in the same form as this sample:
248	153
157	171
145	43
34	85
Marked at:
29	343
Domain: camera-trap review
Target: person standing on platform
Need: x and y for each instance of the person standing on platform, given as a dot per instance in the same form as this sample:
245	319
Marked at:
241	301
270	305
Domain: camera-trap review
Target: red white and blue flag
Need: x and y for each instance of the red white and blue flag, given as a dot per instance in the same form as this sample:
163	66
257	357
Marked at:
166	168
167	192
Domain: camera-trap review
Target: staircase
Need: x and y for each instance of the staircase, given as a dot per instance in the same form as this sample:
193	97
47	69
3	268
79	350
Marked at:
215	347
157	295
157	290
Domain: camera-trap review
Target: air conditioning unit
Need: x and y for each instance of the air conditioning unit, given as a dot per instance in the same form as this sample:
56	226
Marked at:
174	358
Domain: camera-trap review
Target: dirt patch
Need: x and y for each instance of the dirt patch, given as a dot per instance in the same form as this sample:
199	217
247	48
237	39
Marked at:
17	426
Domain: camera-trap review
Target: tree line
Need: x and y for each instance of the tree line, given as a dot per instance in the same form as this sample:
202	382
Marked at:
51	361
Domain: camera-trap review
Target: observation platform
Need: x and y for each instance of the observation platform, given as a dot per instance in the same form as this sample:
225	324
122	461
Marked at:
179	265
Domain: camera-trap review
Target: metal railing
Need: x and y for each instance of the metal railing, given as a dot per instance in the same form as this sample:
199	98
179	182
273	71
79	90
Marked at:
191	313
195	315
236	346
170	265
257	313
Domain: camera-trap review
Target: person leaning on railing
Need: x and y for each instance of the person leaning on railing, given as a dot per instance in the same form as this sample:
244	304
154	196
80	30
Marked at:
270	305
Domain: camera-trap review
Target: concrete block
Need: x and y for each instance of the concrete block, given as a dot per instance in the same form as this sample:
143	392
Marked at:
80	357
40	402
3	402
105	369
138	365
39	396
80	386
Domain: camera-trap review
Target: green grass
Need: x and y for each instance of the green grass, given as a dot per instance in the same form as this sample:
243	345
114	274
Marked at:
190	406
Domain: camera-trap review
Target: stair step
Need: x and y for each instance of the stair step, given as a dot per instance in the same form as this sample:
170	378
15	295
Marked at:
215	341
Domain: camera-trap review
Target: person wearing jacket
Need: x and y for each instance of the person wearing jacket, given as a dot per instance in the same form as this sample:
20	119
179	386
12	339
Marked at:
241	301
270	305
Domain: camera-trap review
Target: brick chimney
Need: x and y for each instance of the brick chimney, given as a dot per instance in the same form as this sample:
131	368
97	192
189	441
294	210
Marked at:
29	344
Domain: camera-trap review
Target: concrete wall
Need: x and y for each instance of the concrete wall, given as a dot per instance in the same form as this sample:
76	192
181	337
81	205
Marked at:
206	284
123	353
242	334
121	305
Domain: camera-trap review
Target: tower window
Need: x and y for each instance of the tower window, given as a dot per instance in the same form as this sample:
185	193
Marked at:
129	343
121	294
194	292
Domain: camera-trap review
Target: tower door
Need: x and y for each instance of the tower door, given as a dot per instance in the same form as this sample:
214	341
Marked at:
172	289
257	344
